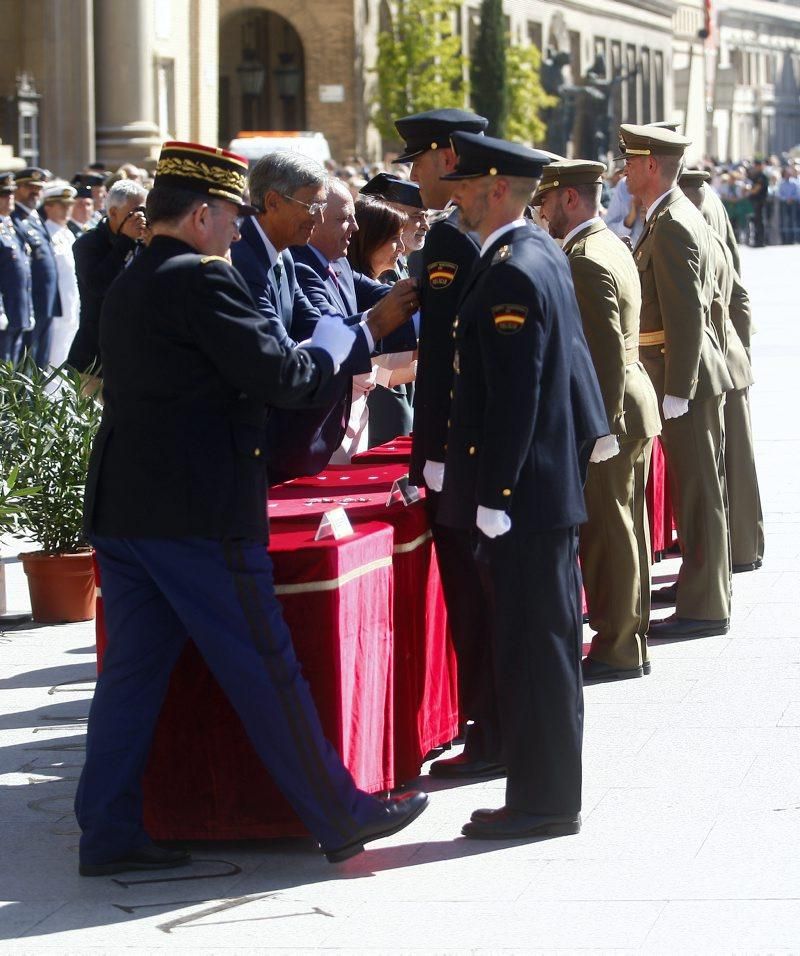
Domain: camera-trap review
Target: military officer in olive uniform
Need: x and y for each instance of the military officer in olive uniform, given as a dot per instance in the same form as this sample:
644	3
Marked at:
745	516
513	476
615	541
447	260
681	351
16	306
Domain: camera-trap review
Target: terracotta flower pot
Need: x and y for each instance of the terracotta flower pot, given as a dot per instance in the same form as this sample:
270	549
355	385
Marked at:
61	586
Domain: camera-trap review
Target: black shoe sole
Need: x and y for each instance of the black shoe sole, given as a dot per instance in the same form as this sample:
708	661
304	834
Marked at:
353	849
612	677
121	866
646	668
549	829
688	635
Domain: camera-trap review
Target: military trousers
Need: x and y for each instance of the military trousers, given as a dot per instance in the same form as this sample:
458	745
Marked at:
156	592
744	499
468	615
693	447
615	555
537	633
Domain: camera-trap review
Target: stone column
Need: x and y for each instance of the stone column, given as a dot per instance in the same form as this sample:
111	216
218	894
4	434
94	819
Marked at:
124	78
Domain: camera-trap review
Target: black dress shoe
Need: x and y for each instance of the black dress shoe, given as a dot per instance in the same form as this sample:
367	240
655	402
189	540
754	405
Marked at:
665	595
398	812
749	566
596	672
460	767
147	857
647	666
506	824
675	626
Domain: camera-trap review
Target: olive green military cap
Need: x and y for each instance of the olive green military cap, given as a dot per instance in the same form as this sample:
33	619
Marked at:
568	172
694	177
650	141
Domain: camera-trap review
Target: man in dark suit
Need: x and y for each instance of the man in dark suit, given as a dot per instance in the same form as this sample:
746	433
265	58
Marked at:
44	274
16	305
512	472
447	259
176	509
101	254
289	191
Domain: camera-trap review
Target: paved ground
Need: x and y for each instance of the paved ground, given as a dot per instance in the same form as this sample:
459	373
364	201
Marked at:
691	806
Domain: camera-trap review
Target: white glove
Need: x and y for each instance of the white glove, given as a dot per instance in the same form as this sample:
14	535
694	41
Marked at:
3	321
604	448
674	407
433	473
492	522
334	337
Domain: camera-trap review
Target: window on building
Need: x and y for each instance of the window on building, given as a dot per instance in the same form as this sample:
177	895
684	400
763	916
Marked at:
616	90
658	71
631	99
647	103
535	34
575	55
165	97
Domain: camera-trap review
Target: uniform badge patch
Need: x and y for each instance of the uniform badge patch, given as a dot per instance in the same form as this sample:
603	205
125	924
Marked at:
509	319
441	274
502	254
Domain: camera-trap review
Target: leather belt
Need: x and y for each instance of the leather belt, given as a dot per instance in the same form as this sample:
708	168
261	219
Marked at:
651	338
632	356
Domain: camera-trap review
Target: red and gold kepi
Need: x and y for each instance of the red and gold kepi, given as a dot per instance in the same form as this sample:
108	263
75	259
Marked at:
206	170
441	274
509	318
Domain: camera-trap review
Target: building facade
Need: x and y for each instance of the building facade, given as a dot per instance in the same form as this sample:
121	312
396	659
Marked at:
114	79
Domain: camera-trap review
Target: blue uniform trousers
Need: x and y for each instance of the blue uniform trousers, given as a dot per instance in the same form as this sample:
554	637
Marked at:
155	593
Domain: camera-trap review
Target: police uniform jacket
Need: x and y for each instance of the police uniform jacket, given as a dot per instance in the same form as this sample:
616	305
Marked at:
44	272
100	256
447	260
676	271
190	366
609	297
15	278
512	441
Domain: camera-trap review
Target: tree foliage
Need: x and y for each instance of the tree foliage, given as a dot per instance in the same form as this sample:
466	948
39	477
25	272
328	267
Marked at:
420	65
526	96
489	73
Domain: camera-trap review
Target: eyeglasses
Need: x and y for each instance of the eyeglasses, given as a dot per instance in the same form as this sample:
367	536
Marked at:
314	208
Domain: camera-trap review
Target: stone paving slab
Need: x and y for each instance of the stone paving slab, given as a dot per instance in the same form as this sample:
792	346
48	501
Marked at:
691	838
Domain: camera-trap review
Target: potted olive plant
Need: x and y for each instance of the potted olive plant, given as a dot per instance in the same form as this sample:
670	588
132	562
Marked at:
46	430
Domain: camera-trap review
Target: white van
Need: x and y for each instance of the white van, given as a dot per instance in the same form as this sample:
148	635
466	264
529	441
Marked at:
257	143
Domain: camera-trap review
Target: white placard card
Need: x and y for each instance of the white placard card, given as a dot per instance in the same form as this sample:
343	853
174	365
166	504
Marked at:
403	491
334	524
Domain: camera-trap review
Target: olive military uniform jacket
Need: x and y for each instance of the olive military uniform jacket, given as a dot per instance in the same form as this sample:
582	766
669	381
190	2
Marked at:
732	298
189	369
609	297
676	270
713	211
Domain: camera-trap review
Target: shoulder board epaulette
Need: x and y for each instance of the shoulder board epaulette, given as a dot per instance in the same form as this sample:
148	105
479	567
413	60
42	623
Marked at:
206	259
502	255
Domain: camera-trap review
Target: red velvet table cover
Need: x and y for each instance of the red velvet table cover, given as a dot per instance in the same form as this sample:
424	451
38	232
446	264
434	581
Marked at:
203	779
425	671
398	450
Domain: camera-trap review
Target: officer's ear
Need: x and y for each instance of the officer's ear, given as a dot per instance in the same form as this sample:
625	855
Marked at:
446	160
272	200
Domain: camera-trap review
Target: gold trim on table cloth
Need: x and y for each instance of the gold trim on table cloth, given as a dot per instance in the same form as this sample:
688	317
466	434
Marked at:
331	584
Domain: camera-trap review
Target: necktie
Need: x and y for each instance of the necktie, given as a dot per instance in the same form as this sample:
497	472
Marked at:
277	271
332	274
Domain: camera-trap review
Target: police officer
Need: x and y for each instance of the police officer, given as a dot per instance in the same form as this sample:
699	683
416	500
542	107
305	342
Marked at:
447	260
176	509
512	473
745	518
16	306
615	541
44	270
681	351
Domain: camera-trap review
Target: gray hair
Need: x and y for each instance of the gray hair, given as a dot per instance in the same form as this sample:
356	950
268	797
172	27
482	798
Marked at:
336	185
123	191
285	172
